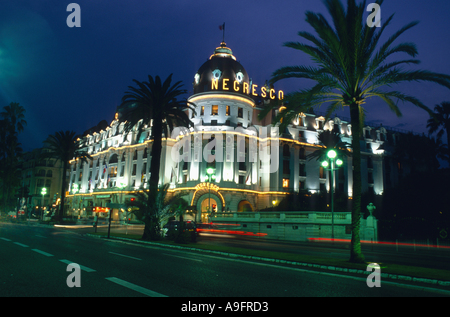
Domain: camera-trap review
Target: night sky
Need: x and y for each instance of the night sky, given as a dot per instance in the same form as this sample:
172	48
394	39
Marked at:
72	78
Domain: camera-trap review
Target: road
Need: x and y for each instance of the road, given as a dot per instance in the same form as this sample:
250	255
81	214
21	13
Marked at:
432	257
34	262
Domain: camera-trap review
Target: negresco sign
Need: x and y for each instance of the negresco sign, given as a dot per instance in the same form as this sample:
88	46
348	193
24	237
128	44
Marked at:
264	92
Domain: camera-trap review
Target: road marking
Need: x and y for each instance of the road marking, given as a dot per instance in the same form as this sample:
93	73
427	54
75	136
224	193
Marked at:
135	287
183	257
127	256
84	268
38	235
22	245
42	252
5	239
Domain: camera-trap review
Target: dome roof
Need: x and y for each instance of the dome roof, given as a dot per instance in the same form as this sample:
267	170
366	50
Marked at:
221	65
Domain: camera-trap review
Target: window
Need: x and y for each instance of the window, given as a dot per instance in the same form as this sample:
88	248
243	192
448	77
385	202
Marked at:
302	170
122	170
301	154
301	135
240	113
144	168
227	110
215	110
322	172
202	111
286	169
241	179
134	170
113	171
285	182
286	151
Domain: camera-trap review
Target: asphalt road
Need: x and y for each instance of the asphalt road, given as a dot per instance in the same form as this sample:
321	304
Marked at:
430	257
34	262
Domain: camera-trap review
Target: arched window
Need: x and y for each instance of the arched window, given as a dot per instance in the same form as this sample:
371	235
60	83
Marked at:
113	159
302	154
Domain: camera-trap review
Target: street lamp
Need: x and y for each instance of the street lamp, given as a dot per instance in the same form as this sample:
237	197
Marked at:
121	187
43	193
74	191
211	176
331	155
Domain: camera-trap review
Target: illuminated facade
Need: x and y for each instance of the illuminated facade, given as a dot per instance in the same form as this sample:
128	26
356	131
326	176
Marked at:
250	165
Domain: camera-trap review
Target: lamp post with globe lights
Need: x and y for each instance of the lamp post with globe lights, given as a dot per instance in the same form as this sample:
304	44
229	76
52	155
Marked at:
334	164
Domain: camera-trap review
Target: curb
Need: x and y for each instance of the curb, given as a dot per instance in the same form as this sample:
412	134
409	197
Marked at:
311	265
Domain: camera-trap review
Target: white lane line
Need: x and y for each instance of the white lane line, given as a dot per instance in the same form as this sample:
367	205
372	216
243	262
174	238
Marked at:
42	252
22	245
5	239
183	257
84	268
127	256
135	287
38	235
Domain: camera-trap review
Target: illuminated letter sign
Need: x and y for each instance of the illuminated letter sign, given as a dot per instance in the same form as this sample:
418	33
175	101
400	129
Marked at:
214	84
254	90
225	83
272	91
246	89
263	92
236	85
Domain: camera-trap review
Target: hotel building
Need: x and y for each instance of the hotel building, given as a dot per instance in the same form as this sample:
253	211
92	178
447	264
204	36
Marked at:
253	166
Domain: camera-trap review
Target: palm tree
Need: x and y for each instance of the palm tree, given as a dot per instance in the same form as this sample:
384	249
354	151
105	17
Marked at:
12	122
14	114
440	121
349	70
156	213
62	146
329	140
155	102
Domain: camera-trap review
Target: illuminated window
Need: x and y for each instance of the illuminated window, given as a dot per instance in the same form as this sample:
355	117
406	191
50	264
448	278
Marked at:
202	112
214	110
227	110
285	182
321	172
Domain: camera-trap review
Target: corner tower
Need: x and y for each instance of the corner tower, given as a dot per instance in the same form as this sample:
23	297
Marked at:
222	91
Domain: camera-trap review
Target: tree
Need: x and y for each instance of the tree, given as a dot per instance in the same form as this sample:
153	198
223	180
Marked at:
12	122
350	70
156	213
330	140
62	147
440	122
156	104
